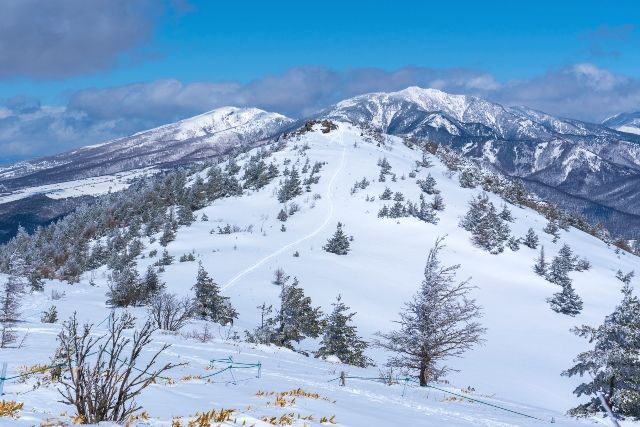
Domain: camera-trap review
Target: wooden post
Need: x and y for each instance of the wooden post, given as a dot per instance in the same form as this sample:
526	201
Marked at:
608	409
343	378
3	375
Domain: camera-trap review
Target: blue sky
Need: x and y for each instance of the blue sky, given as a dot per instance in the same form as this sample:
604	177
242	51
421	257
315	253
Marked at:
78	65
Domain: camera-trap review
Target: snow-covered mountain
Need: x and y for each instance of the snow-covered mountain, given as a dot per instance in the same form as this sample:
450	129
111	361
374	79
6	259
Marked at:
197	138
579	164
517	369
37	192
625	122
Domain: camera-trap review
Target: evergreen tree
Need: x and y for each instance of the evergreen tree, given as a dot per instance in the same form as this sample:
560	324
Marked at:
426	212
10	310
488	230
558	272
440	322
210	304
186	216
151	284
428	185
296	319
540	267
384	212
165	259
531	239
124	287
566	301
290	187
513	244
506	214
397	210
339	243
386	194
612	365
468	178
168	234
566	258
341	339
282	215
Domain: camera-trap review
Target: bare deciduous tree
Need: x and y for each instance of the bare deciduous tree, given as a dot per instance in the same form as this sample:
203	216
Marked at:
440	322
100	375
170	313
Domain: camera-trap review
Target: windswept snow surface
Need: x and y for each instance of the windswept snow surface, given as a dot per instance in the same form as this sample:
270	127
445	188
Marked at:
527	344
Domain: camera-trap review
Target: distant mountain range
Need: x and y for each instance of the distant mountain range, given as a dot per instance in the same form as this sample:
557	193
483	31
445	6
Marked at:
593	169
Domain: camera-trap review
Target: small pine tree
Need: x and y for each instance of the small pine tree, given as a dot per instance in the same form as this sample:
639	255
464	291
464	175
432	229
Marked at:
397	210
566	301
386	194
513	244
296	319
290	187
168	234
151	284
339	243
426	212
50	316
165	258
341	339
540	267
210	304
9	310
384	212
428	185
506	214
531	239
282	215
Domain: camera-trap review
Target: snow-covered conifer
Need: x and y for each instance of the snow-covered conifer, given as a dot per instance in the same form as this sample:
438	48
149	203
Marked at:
339	243
611	366
341	338
440	322
531	239
210	304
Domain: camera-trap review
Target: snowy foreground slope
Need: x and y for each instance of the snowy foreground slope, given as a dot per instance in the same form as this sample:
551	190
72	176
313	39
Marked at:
518	368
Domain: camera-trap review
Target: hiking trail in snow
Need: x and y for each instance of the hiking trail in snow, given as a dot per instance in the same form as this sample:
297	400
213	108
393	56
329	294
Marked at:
328	196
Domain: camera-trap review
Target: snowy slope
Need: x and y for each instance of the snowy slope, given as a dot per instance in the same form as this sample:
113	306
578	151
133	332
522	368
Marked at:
625	122
527	344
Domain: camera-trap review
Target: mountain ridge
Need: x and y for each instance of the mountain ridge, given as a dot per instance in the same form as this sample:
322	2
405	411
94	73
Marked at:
576	159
